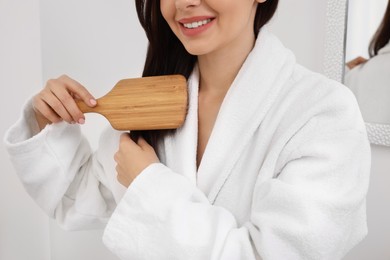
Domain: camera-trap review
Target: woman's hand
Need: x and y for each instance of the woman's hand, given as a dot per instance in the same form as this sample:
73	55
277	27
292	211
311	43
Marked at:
356	62
132	158
56	102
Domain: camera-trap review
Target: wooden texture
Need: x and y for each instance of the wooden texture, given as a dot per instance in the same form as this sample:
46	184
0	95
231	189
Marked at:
148	103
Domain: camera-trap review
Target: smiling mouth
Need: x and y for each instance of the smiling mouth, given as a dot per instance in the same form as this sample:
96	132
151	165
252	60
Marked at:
198	24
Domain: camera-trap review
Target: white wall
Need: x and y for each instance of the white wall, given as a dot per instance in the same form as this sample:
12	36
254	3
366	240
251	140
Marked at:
24	233
301	26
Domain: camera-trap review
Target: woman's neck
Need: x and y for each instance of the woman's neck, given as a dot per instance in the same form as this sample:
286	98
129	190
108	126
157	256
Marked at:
219	69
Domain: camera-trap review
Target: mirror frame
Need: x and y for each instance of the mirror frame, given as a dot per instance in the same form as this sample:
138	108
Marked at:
335	39
334	60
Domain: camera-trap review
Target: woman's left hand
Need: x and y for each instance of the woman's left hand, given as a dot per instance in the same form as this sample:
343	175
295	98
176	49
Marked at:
356	62
132	158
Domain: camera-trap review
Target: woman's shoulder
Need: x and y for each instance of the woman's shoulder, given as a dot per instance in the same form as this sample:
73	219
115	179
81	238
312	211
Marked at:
315	88
310	95
313	106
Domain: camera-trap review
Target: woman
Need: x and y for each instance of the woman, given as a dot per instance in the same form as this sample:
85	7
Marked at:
272	161
370	80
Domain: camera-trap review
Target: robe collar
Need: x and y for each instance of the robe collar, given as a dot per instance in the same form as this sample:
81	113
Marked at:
255	88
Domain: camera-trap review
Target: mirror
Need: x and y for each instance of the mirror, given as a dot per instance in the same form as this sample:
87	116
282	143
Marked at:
367	63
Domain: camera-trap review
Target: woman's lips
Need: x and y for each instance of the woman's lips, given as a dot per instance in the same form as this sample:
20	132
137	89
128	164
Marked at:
195	25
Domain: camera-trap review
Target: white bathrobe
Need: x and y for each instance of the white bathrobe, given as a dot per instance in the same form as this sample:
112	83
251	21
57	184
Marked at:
284	174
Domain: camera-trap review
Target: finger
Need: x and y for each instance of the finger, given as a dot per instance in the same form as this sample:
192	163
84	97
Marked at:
125	139
119	170
116	157
122	179
57	106
79	90
68	102
362	60
142	143
45	110
119	175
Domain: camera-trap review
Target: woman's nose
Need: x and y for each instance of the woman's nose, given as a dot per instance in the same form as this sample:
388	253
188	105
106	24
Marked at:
185	4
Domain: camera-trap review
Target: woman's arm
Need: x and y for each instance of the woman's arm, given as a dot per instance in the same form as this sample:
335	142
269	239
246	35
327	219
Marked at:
59	171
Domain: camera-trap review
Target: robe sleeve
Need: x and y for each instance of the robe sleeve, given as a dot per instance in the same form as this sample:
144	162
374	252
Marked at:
60	172
314	207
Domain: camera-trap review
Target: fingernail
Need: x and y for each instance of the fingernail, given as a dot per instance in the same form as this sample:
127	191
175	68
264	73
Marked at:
93	102
81	121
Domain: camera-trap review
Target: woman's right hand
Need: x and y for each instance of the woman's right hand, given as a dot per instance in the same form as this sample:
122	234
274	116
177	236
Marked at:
56	102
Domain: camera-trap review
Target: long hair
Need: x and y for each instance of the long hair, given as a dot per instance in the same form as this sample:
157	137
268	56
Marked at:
382	35
166	54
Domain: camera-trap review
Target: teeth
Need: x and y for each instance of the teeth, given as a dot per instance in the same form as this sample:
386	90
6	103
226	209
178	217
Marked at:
196	24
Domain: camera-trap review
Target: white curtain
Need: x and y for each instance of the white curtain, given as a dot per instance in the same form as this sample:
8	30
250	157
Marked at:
364	18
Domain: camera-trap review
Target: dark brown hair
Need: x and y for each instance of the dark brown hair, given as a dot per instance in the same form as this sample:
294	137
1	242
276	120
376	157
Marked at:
382	35
166	54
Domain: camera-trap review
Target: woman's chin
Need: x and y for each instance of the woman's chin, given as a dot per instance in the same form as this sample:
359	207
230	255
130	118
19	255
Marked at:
197	50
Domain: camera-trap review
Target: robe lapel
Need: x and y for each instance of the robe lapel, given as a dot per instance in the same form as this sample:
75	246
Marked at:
181	149
255	88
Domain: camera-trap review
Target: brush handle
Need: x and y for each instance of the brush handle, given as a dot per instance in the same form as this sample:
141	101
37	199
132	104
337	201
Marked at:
149	103
86	109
